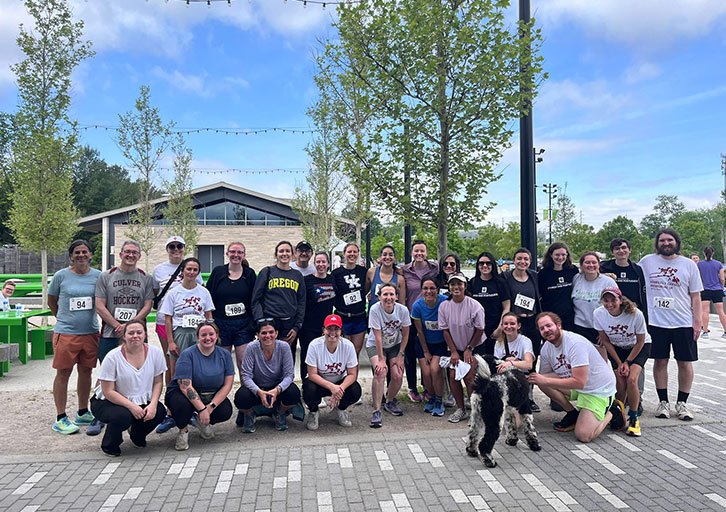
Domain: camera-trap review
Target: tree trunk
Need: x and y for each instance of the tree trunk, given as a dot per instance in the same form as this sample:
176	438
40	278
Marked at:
443	214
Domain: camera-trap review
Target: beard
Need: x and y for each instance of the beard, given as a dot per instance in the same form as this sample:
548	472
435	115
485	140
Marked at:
667	250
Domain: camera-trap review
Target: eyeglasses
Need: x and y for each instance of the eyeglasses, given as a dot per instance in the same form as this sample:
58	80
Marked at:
484	263
131	253
177	247
450	264
235	252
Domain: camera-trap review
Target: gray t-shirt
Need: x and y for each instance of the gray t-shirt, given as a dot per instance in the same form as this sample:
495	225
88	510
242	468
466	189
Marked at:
125	294
76	301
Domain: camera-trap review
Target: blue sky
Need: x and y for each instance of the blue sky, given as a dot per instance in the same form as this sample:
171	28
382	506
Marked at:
633	107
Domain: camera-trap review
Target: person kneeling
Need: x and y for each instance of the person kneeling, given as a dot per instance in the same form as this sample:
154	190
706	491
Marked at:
203	378
128	396
332	371
267	378
571	368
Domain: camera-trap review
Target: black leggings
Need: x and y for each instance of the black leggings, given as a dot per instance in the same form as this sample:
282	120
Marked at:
312	393
118	418
245	399
410	358
182	409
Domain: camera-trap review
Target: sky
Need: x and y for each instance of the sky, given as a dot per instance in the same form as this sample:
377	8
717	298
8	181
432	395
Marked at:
633	106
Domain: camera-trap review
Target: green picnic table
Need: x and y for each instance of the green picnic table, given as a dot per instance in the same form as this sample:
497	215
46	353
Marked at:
14	329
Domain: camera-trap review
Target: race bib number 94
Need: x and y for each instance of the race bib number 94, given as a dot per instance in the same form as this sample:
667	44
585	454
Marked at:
81	303
663	302
124	314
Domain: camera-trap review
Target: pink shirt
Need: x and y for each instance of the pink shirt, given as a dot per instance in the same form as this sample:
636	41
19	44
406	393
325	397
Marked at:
461	319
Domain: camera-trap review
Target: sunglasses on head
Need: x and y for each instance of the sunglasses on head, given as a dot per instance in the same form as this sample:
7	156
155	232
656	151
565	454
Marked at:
178	247
450	264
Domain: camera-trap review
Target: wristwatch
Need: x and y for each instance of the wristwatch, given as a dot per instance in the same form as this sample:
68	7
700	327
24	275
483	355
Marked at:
212	405
469	347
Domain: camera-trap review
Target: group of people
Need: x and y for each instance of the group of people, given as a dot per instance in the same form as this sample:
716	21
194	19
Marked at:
424	315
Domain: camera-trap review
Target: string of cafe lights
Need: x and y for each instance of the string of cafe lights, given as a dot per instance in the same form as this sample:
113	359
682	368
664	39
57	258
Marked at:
224	131
305	3
296	170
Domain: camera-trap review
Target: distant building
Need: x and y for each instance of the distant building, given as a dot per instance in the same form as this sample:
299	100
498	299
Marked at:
225	213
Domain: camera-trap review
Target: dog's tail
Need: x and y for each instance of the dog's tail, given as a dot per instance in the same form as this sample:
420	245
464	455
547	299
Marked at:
482	369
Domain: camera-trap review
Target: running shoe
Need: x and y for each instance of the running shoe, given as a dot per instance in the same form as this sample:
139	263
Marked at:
359	402
377	419
205	431
313	421
280	420
683	412
450	402
65	427
704	335
534	407
663	410
556	407
248	426
84	419
723	335
182	441
633	427
393	407
617	423
438	408
322	403
166	425
240	421
111	453
429	407
343	418
567	422
459	414
426	395
414	395
94	428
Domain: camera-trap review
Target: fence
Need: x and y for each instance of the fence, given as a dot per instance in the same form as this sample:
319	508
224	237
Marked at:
14	260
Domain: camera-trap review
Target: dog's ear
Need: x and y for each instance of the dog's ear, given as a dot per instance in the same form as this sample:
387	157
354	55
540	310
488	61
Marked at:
483	369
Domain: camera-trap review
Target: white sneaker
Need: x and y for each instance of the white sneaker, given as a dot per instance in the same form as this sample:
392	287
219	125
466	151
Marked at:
182	441
664	410
313	422
723	335
205	431
450	402
683	412
459	414
343	418
360	400
322	403
704	335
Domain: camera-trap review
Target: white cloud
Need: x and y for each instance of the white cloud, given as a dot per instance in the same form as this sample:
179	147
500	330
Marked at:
643	24
184	82
558	151
640	72
595	98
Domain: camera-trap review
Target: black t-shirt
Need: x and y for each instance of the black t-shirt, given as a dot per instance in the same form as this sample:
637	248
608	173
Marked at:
318	302
555	290
225	291
350	294
490	295
627	279
528	292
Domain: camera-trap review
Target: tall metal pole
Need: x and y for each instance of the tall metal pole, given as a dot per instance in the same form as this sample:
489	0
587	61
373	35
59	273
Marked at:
551	189
528	205
407	188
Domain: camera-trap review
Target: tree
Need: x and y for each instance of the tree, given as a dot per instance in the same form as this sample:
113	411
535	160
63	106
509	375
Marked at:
580	239
179	211
565	217
666	208
45	146
622	227
7	135
143	139
438	83
696	231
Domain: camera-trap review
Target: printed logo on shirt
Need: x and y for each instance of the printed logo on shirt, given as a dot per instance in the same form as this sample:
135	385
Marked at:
561	363
282	282
352	281
193	303
620	330
671	280
334	369
560	279
623	275
324	292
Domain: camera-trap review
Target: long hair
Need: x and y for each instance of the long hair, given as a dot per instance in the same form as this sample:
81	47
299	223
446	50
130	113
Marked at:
457	267
495	267
708	253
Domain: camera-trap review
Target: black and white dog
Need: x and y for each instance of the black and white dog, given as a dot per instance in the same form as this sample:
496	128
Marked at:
495	398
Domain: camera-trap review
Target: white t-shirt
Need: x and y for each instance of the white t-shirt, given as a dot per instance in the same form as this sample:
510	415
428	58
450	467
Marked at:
161	275
390	325
187	306
517	348
4	303
310	269
621	330
576	351
136	385
332	367
668	285
586	297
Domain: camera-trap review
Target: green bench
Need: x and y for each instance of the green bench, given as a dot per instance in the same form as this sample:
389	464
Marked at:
8	352
40	344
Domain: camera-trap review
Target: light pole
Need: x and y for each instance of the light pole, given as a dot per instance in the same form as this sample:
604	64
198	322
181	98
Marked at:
551	190
528	202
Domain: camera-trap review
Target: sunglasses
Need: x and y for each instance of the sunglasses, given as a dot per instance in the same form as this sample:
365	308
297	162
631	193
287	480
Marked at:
177	247
484	263
450	264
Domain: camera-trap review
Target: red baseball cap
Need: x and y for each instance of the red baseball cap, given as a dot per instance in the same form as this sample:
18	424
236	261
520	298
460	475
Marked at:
612	290
333	320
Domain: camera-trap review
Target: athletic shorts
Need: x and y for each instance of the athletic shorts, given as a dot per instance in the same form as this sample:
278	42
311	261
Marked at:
354	325
478	351
714	296
623	354
161	331
681	338
389	353
435	349
235	331
106	345
75	349
599	405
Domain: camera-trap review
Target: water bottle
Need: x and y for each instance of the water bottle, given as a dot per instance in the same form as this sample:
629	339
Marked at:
18	307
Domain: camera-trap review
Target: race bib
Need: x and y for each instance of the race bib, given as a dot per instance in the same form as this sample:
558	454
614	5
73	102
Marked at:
124	314
663	302
235	309
81	303
378	288
192	321
524	302
352	298
431	325
389	340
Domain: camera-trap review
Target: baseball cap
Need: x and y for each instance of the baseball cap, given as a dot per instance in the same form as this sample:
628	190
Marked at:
457	275
304	245
613	290
333	320
175	239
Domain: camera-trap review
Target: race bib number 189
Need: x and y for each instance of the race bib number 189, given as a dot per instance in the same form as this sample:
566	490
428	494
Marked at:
235	309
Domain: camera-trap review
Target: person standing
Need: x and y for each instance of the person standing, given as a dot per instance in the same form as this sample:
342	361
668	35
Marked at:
712	276
674	315
303	253
490	290
385	272
7	291
628	274
75	335
350	298
320	290
555	283
586	289
123	293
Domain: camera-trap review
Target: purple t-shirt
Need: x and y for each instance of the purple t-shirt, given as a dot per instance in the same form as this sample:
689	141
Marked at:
709	274
461	320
